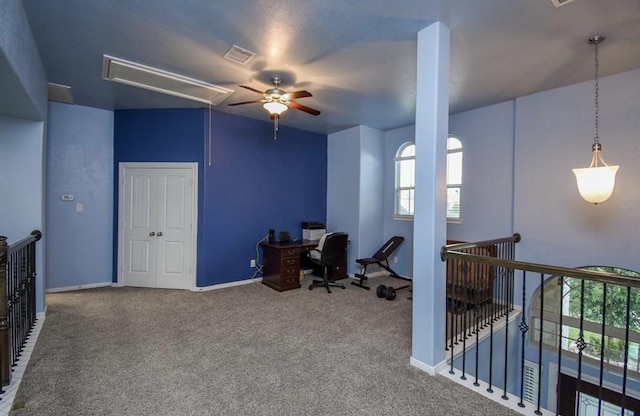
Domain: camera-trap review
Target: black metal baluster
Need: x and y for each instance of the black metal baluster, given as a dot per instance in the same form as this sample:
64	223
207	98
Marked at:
475	383
523	330
581	345
465	275
14	334
452	334
626	352
540	341
506	354
602	342
4	321
489	389
561	283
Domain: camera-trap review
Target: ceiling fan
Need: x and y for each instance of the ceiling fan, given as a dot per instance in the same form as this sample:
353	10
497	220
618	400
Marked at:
276	101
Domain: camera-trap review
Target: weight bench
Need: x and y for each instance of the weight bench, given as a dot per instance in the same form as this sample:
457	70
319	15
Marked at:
381	259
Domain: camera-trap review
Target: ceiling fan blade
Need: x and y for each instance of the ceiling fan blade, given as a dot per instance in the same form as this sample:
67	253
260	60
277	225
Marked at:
252	89
304	108
298	94
245	102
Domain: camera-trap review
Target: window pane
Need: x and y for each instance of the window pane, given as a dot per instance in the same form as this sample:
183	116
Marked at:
409	150
589	406
453	202
405	202
454	168
453	143
406	170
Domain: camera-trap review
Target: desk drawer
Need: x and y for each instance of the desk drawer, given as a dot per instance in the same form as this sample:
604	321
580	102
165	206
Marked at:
286	272
290	282
290	252
290	262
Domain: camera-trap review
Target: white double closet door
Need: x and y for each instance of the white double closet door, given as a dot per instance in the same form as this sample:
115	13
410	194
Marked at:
157	225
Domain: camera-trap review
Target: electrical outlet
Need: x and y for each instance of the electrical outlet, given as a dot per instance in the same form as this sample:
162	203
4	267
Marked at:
253	263
395	259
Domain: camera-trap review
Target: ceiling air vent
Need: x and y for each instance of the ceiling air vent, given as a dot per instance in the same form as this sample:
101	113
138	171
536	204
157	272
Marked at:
238	55
141	76
60	93
558	3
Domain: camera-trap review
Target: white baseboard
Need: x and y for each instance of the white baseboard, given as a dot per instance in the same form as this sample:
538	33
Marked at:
21	365
78	287
431	370
225	285
497	396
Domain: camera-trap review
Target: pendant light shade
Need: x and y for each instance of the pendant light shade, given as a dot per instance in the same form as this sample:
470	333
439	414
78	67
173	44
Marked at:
596	182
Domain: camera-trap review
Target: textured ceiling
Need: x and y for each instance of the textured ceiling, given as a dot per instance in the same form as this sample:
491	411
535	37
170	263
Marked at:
357	58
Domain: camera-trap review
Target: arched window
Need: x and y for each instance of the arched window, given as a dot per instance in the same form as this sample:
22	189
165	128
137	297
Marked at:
576	298
405	180
454	177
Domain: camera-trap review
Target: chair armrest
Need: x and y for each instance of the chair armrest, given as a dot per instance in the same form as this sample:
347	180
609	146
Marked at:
314	256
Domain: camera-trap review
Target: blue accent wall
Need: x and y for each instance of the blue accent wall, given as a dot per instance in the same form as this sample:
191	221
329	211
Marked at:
254	182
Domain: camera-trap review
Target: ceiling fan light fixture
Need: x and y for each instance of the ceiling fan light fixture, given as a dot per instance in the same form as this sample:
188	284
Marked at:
275	107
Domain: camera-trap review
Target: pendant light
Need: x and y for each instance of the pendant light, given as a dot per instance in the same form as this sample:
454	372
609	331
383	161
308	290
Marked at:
596	182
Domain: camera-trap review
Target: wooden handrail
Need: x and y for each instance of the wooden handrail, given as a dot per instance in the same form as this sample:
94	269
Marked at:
449	253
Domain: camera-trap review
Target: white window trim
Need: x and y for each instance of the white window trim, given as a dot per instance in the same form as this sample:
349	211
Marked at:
456	220
396	188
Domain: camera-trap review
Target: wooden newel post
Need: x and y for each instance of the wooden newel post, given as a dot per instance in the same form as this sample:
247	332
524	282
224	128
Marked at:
5	348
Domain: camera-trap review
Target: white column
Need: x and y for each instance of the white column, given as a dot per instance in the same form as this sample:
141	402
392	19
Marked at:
432	119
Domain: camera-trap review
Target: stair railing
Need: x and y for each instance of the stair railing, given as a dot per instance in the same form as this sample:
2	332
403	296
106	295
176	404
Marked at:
17	300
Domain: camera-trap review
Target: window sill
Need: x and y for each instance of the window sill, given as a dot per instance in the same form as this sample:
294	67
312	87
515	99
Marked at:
403	217
454	220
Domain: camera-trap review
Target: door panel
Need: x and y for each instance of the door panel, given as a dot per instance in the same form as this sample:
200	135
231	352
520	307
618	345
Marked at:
175	213
139	248
158	227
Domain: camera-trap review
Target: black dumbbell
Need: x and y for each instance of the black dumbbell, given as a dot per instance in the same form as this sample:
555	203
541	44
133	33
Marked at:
389	293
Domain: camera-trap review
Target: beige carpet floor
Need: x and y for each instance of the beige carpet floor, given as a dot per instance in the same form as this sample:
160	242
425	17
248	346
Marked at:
244	350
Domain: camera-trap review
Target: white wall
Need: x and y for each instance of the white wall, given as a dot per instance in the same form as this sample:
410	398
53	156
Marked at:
24	83
79	163
487	172
554	133
24	96
22	188
355	195
343	185
371	191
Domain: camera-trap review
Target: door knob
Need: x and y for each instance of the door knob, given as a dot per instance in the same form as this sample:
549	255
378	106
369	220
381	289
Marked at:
151	234
159	233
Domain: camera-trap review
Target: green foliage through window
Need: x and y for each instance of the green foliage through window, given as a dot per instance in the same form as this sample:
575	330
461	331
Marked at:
588	304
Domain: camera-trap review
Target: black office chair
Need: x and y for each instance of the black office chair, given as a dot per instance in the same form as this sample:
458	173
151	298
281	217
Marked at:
329	255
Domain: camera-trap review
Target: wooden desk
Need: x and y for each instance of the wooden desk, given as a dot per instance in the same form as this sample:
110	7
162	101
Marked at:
281	270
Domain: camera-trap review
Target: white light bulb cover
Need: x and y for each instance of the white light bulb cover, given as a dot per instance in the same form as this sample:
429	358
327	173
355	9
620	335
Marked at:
596	184
274	107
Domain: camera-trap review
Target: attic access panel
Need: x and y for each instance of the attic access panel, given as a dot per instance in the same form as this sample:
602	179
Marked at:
154	79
